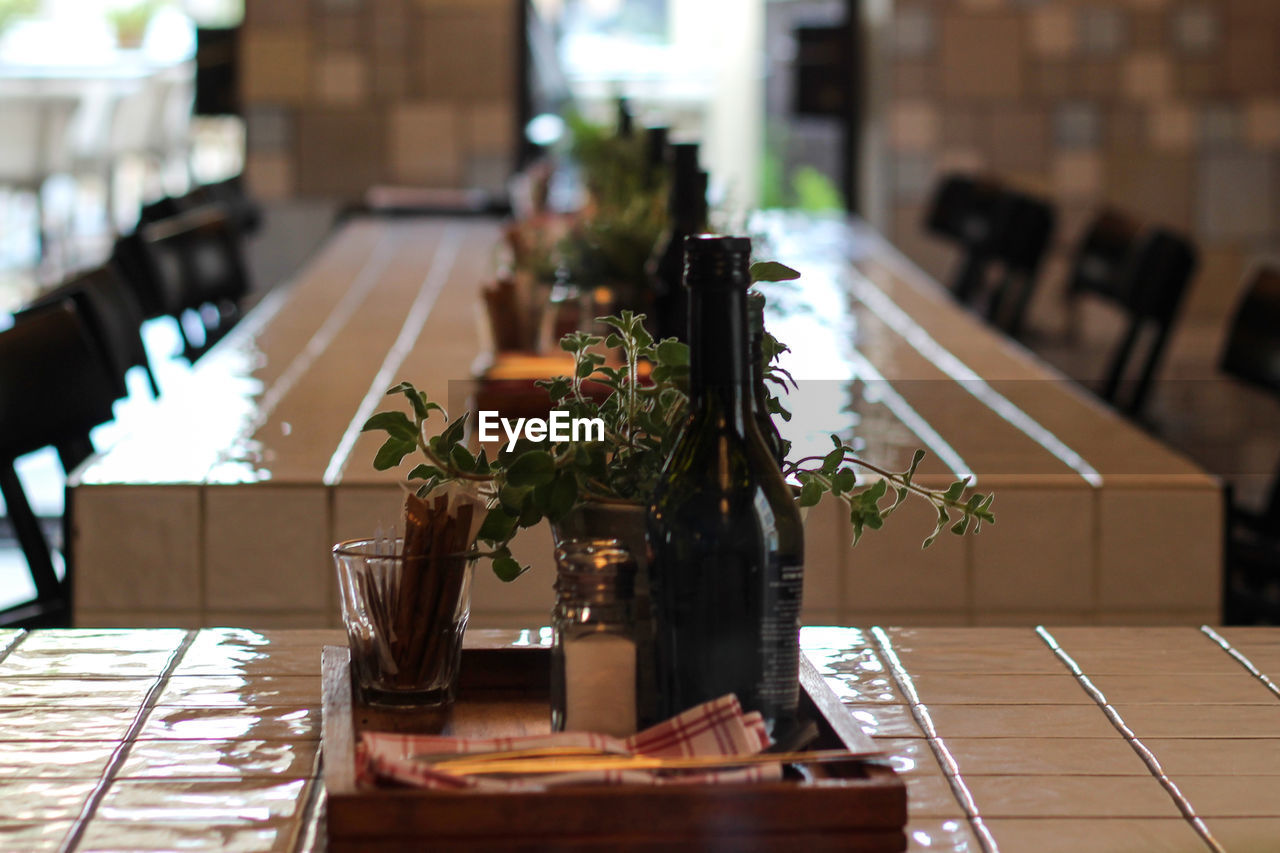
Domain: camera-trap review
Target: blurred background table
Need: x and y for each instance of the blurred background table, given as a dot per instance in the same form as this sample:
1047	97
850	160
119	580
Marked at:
222	503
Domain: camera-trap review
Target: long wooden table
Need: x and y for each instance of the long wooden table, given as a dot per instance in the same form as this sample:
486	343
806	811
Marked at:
220	505
1016	740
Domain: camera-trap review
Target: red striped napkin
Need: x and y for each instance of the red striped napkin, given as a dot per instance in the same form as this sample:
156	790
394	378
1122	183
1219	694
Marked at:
718	727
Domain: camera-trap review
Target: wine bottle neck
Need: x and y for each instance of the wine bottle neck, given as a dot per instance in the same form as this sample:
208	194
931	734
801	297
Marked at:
719	346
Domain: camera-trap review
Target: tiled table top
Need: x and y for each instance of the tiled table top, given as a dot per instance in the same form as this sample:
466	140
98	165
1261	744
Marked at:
1010	739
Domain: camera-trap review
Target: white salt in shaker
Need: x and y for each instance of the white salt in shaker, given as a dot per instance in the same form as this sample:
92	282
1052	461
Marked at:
593	653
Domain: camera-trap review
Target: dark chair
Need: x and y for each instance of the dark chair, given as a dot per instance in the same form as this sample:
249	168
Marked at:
112	314
1150	288
1252	354
189	267
1003	235
54	388
1020	248
1100	256
968	212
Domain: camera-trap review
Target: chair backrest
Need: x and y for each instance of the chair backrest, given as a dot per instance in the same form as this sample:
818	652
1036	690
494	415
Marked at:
1100	256
35	137
112	314
967	210
197	254
1020	248
1151	287
54	385
1252	351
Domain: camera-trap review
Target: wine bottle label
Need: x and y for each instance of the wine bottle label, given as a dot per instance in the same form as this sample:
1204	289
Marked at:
780	639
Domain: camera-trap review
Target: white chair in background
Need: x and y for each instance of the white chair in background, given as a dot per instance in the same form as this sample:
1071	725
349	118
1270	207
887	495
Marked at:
33	146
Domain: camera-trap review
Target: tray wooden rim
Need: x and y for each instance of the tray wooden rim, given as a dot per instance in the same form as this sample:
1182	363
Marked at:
800	807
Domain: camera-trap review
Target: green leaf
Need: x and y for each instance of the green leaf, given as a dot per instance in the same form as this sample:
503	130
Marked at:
585	368
508	569
512	498
562	497
613	340
498	526
453	432
534	468
392	452
960	526
911	469
672	352
832	461
843	481
395	423
462	459
772	271
424	472
956	489
810	493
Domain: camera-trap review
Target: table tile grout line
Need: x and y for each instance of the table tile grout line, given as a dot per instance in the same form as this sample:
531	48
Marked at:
443	259
1240	658
118	756
920	712
1135	743
23	633
306	834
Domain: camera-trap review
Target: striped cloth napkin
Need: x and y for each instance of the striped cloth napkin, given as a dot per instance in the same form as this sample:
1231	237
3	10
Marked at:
718	727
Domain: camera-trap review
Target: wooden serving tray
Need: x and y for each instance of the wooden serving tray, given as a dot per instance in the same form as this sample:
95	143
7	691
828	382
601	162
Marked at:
852	806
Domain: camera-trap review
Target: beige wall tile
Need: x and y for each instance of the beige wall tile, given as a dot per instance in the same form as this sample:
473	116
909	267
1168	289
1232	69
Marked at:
130	569
982	55
1171	127
1251	62
489	128
465	52
1160	549
913	126
275	13
1262	123
1236	194
340	152
1147	77
1152	184
1018	139
1039	556
342	79
827	556
248	527
889	571
270	174
276	66
1077	174
1052	30
910	79
423	143
1200	78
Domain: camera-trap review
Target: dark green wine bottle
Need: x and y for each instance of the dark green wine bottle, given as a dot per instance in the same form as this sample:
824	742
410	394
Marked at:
726	538
686	215
759	392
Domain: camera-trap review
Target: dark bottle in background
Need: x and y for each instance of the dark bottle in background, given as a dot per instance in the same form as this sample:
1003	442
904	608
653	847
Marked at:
725	535
655	154
687	215
626	123
759	391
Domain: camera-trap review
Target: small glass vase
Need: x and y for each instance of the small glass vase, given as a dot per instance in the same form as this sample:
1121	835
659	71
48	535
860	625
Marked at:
405	617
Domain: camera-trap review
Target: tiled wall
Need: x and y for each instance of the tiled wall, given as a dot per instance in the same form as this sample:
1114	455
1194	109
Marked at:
1168	108
342	94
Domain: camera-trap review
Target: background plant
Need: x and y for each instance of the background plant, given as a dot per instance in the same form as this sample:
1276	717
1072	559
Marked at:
533	481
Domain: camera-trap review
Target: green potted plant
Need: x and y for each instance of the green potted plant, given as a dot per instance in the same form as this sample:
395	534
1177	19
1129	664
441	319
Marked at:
606	484
131	21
